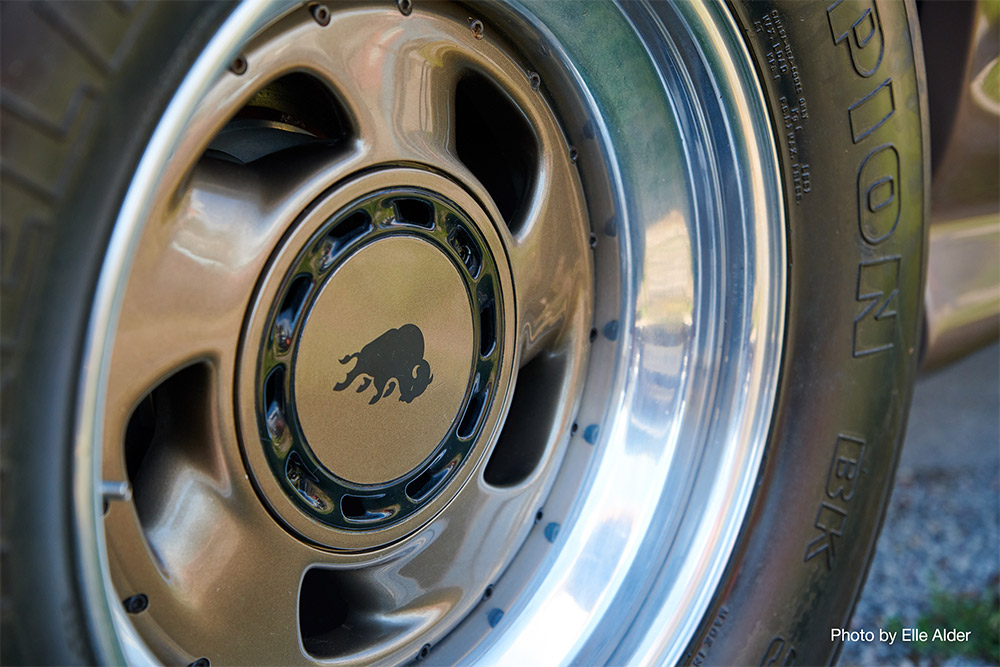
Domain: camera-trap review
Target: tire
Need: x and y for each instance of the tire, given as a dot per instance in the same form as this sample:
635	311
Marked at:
811	533
676	444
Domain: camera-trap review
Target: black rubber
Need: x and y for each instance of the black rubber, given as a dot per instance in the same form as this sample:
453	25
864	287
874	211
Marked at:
842	114
83	85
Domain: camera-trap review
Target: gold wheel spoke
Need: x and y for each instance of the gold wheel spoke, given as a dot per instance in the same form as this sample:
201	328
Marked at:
551	262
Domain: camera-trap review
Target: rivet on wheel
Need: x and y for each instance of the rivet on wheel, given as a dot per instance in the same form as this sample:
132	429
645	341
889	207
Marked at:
534	80
321	13
135	604
201	662
551	531
575	427
611	330
238	66
593	240
494	617
488	593
424	651
538	516
404	6
478	30
573	154
593	335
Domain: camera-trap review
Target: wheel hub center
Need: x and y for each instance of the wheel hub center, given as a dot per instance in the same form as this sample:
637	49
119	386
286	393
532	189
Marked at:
384	360
377	357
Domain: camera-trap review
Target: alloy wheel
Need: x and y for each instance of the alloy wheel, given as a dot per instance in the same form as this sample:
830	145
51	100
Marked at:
430	334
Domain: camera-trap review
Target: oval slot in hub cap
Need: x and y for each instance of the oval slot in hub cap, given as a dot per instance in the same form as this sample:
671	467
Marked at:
378	359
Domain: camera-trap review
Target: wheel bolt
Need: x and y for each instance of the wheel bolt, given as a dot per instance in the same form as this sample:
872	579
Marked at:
404	6
135	604
478	30
488	593
424	651
321	13
534	80
201	662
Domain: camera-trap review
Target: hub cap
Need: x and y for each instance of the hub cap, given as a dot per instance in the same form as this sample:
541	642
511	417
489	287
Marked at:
379	357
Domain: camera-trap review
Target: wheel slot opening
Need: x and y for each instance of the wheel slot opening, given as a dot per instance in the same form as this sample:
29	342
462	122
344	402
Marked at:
474	410
426	483
289	313
413	211
495	141
460	239
528	431
168	445
274	406
290	111
366	509
349	229
323	611
339	614
139	435
305	483
487	319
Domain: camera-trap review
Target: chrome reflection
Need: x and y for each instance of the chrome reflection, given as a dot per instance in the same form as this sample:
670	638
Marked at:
639	556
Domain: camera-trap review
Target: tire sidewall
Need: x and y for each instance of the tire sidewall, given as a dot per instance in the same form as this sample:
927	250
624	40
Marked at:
42	579
842	114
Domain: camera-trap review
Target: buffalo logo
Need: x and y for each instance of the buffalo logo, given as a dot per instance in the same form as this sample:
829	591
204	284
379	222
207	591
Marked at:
394	358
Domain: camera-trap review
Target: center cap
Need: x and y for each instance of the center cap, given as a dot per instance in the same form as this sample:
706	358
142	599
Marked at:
377	359
384	361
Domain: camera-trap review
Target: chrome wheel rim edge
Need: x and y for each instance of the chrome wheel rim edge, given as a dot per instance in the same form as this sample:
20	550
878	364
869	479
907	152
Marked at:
662	628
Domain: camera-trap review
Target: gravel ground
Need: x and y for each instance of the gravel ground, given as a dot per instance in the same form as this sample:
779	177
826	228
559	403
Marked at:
942	529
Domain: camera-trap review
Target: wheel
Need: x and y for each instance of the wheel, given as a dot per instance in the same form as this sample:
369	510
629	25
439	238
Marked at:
379	332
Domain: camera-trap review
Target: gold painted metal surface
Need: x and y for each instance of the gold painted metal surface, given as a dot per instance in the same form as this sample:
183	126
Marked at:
386	285
962	297
217	237
966	180
962	301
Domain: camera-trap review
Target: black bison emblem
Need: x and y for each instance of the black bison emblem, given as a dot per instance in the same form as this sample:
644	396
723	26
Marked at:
396	358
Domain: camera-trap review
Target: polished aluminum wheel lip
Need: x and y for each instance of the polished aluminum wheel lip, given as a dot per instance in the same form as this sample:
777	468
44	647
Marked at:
638	560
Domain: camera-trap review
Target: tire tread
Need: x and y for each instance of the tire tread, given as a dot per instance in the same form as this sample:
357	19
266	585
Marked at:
50	102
